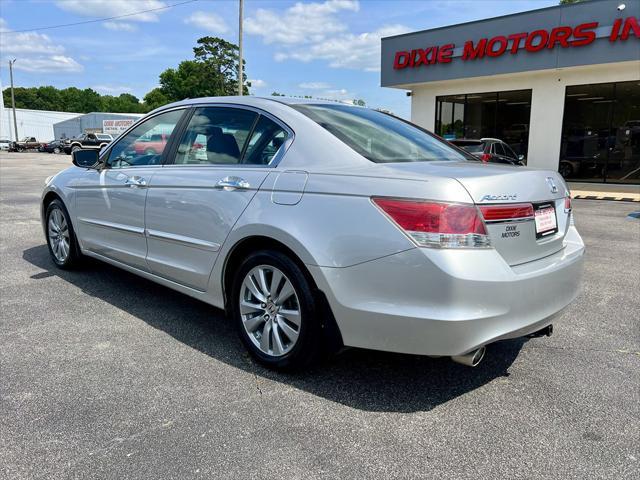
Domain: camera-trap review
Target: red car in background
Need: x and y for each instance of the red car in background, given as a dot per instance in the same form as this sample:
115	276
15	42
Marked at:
154	145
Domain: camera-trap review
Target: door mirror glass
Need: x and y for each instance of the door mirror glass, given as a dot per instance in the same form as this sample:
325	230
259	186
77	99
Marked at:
85	158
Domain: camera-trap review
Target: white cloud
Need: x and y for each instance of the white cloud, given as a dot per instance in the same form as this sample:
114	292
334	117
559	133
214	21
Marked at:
257	83
120	26
315	31
301	23
112	89
313	85
209	21
35	52
113	8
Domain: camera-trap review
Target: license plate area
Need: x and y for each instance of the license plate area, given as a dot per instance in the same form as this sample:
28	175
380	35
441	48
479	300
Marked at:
545	219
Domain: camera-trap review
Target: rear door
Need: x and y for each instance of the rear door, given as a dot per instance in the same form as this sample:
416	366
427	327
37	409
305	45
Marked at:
223	156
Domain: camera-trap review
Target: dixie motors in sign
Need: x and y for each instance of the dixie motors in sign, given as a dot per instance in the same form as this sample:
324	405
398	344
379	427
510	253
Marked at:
563	37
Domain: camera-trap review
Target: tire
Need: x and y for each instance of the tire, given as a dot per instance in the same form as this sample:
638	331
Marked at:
75	148
56	224
566	170
282	341
56	150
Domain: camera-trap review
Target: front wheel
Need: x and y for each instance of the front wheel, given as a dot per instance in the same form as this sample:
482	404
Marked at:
61	238
56	150
275	311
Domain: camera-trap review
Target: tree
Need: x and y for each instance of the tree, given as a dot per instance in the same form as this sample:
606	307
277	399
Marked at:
359	102
154	99
214	72
565	2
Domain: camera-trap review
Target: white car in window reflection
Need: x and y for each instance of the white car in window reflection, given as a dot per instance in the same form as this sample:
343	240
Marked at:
317	225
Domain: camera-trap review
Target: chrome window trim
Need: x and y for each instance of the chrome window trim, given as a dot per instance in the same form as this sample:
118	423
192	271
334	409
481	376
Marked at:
277	158
119	138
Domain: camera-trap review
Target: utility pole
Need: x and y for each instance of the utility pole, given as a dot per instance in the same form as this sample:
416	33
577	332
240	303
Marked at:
240	74
13	99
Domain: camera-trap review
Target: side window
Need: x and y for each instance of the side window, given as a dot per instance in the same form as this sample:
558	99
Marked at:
498	149
215	135
133	150
509	151
266	140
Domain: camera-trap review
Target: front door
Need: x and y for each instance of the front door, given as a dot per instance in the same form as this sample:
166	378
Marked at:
220	163
110	202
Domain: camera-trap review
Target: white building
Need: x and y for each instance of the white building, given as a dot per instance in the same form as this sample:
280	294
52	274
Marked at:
560	85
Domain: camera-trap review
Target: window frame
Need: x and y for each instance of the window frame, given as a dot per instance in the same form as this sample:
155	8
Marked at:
106	152
275	161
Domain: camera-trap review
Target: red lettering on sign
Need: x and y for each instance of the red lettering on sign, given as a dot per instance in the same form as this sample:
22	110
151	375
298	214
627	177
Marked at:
535	41
560	35
613	36
630	23
445	53
503	43
471	53
529	44
516	38
401	60
584	37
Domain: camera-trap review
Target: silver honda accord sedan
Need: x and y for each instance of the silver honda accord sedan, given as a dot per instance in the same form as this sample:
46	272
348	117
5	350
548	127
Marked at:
320	225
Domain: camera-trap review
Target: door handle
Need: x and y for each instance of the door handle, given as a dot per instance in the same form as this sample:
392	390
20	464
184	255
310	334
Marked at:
135	181
233	183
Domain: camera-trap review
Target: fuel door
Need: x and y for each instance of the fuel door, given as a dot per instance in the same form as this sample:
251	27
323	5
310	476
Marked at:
289	186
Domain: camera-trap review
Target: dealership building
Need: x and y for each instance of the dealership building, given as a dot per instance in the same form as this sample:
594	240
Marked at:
560	85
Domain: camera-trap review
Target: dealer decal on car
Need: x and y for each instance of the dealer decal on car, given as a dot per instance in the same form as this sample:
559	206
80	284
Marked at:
511	231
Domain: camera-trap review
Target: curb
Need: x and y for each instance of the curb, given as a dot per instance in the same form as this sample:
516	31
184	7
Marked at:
600	197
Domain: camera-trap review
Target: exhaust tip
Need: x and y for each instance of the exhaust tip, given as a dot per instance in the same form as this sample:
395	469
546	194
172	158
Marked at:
471	359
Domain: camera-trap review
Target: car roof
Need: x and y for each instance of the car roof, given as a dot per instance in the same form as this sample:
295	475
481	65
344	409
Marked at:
489	139
249	100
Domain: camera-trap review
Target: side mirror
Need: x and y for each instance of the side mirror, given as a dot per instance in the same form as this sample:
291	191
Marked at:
85	158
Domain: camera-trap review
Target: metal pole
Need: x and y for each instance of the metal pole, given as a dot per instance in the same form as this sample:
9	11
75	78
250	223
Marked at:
240	74
13	100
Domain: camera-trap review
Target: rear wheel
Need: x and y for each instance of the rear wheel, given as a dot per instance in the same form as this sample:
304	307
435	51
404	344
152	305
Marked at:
275	311
56	150
75	148
61	238
566	170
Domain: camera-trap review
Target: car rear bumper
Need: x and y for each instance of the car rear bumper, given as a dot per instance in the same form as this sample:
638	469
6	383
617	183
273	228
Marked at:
449	302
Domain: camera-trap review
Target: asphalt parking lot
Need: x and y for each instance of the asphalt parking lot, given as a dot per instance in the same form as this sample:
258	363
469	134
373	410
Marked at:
106	375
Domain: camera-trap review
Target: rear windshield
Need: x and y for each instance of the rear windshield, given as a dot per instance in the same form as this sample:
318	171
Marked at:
379	137
473	148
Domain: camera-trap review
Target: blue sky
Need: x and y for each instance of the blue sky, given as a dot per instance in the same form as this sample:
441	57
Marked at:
327	49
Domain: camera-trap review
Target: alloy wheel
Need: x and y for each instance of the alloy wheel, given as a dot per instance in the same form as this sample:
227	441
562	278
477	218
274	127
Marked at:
270	310
58	232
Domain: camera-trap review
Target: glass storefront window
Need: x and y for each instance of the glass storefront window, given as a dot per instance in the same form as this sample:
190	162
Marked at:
503	115
601	133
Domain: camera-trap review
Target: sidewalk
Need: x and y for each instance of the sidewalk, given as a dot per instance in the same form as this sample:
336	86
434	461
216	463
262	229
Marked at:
605	191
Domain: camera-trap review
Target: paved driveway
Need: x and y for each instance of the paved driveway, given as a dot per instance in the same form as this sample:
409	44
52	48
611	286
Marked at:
106	375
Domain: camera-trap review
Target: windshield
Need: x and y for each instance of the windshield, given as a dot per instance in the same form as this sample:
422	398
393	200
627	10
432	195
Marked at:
379	137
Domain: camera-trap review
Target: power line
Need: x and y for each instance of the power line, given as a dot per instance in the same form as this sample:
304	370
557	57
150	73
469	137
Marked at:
98	19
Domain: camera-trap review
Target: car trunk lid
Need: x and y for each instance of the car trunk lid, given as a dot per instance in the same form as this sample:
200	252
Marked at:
523	238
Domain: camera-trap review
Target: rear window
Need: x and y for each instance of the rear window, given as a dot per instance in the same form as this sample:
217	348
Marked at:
379	137
473	148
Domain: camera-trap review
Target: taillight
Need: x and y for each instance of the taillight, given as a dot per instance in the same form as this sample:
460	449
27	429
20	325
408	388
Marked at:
567	203
485	157
512	211
435	224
